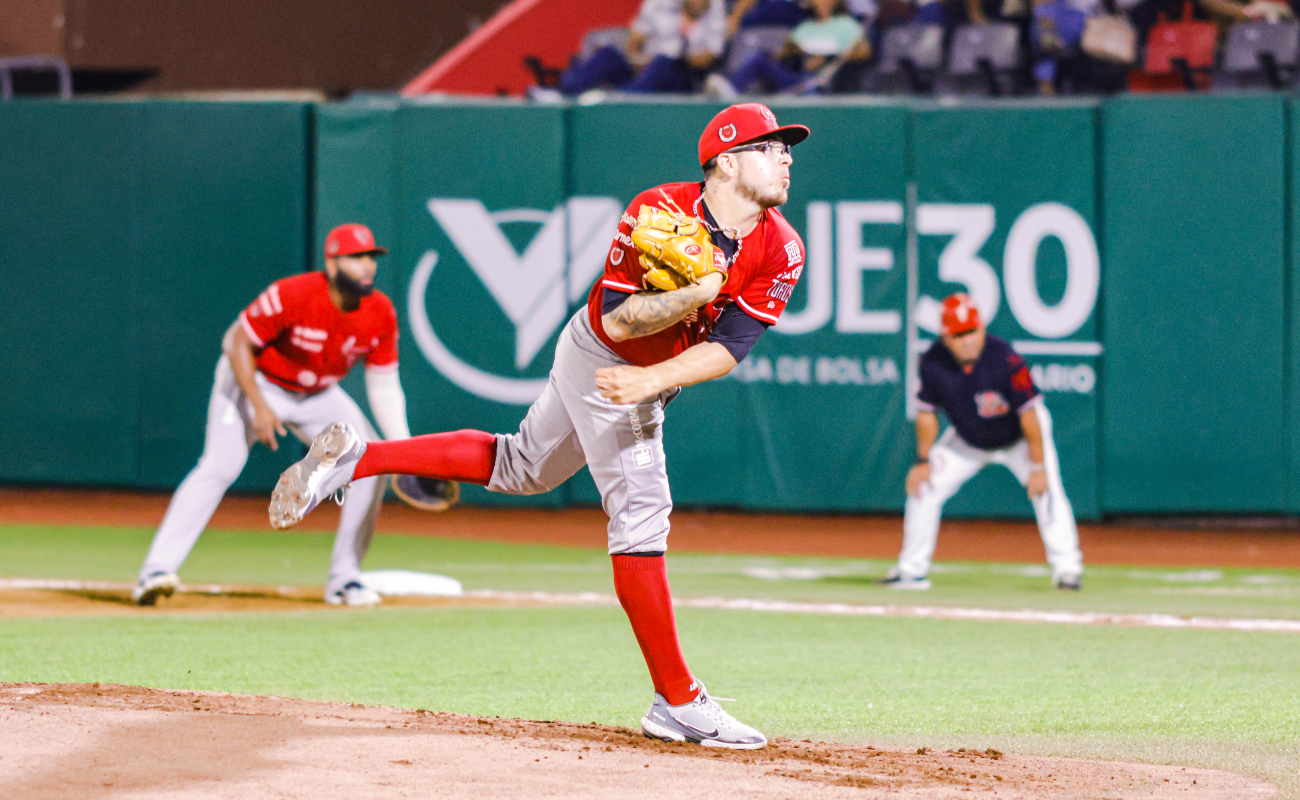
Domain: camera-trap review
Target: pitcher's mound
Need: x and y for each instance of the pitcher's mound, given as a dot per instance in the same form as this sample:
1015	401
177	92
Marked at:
96	740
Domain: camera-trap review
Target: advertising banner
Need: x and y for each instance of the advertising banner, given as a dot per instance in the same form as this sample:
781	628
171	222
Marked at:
1006	211
495	247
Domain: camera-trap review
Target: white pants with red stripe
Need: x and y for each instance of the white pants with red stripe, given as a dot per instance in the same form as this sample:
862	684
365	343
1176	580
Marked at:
953	462
225	451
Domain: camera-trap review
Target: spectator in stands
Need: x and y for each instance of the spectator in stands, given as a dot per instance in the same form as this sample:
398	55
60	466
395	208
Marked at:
752	13
901	12
671	42
1233	11
818	47
1062	63
982	12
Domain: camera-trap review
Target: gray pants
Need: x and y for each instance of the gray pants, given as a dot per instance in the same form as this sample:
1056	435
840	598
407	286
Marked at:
571	425
228	438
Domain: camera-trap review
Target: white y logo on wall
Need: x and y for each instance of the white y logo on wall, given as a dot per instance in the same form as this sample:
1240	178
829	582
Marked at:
534	289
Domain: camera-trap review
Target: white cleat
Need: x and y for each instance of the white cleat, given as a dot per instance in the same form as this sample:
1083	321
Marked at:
153	586
701	721
354	593
328	467
896	580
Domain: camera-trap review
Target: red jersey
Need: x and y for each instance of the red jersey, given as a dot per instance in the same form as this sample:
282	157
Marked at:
760	281
308	344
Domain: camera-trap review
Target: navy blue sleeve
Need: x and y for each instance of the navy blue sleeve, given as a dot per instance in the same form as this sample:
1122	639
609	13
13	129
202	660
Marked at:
736	331
611	299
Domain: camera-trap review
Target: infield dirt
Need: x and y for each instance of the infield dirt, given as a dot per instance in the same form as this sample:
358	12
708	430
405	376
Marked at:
64	741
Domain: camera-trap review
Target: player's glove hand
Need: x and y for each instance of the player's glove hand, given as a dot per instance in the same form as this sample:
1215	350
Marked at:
675	249
426	494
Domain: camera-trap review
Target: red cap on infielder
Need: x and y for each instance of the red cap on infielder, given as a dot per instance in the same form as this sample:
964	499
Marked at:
959	315
744	123
351	240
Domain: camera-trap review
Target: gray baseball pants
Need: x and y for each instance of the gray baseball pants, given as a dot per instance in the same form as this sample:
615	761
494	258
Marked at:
571	425
225	451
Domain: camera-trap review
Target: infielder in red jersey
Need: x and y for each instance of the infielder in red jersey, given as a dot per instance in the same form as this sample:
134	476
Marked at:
280	363
618	363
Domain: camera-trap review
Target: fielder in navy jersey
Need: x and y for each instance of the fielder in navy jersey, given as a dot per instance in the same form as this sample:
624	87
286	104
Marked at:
996	416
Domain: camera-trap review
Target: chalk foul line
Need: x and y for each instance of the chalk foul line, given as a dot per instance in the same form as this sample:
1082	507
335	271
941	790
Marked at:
774	607
927	612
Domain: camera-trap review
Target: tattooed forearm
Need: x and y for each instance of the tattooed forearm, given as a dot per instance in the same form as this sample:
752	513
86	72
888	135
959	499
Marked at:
650	312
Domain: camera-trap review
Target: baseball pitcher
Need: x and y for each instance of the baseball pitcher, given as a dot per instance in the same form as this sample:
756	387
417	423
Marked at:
281	362
696	272
997	416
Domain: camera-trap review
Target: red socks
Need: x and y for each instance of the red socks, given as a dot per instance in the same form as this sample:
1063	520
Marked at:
641	583
458	456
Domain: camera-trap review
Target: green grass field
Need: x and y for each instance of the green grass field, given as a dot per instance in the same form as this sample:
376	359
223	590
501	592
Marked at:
1220	699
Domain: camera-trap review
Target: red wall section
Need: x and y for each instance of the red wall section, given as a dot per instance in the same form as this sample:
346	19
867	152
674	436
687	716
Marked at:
491	60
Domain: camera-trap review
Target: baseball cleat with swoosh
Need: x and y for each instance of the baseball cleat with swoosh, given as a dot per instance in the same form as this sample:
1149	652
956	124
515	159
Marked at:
701	721
328	467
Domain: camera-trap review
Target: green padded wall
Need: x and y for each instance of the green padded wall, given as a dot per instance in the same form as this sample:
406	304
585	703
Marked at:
223	214
1014	164
1193	411
144	228
69	243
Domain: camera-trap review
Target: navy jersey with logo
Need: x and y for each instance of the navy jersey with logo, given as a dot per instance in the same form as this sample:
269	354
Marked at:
985	405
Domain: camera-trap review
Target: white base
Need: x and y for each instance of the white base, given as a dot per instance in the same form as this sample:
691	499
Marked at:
398	582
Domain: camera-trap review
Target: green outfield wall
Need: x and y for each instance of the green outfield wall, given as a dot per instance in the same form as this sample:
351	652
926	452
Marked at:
131	235
1137	251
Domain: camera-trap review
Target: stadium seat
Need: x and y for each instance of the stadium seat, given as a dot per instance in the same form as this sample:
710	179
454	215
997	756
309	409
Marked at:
748	41
1260	54
910	56
1180	55
8	66
985	59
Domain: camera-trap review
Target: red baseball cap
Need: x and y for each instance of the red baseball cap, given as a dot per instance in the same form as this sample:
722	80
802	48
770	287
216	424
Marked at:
744	123
959	314
351	240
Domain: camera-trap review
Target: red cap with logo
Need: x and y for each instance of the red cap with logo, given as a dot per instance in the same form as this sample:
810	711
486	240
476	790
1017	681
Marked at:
959	315
351	240
744	123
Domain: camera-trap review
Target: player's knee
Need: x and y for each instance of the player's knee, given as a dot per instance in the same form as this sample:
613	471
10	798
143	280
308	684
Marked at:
224	470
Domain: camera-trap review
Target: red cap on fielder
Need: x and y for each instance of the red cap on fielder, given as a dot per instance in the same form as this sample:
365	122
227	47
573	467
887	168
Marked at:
744	123
959	315
351	240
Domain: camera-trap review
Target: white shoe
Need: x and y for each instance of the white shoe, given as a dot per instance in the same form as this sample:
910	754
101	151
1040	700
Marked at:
896	580
354	593
328	467
153	586
717	85
701	721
